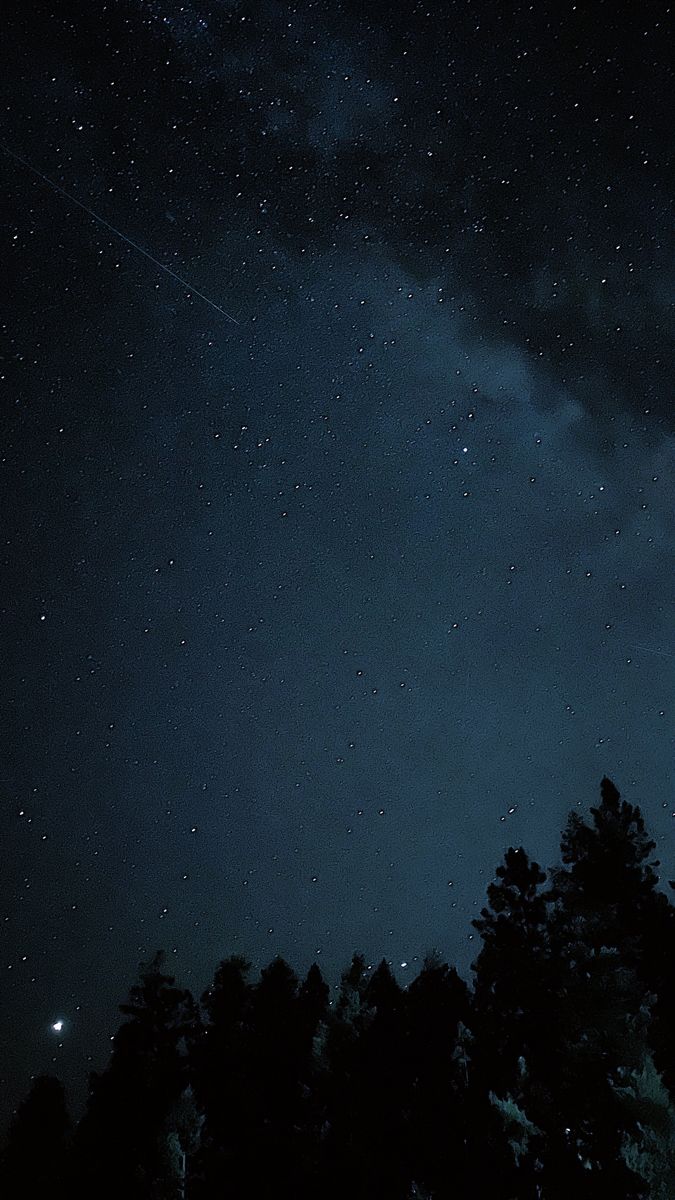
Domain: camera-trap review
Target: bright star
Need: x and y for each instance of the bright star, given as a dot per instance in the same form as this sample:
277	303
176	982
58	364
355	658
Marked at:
57	1026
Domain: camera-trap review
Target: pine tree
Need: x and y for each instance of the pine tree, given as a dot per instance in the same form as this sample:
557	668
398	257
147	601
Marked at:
312	1016
366	1147
659	956
383	1087
353	984
650	1153
178	1144
510	1019
512	977
603	900
218	1071
437	1016
34	1162
609	884
273	1096
251	1076
120	1138
280	1096
312	1007
340	1151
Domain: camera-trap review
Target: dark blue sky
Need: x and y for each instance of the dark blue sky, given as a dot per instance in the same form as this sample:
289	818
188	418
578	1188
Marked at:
307	619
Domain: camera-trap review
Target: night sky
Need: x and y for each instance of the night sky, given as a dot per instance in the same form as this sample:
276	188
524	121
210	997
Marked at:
312	606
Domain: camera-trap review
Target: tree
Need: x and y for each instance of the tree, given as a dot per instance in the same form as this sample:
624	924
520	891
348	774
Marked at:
659	953
510	1019
383	1087
603	901
120	1139
366	1144
340	1153
34	1162
549	1079
650	1154
178	1143
312	1007
512	978
218	1071
312	1016
253	1076
273	1095
608	884
437	1015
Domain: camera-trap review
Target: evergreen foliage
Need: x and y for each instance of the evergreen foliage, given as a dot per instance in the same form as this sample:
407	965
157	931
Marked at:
552	1076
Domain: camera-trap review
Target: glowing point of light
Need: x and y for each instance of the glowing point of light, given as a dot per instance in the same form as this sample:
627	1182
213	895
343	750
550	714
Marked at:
57	1026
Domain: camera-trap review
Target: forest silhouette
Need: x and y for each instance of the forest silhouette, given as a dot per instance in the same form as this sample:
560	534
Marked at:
551	1076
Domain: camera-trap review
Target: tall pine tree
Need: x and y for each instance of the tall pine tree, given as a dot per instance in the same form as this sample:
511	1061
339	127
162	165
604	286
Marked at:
510	1020
603	902
437	1012
218	1070
121	1142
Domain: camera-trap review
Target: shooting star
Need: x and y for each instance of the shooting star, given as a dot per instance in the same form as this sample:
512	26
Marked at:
118	232
653	650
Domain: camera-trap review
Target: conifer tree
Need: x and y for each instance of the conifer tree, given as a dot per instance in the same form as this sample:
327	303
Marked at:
437	1013
272	1097
312	1015
603	900
120	1140
312	1007
509	1022
659	957
341	1143
650	1154
218	1070
34	1162
512	978
608	883
382	1088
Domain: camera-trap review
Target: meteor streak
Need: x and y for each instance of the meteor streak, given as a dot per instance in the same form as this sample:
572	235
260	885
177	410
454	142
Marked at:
653	650
118	232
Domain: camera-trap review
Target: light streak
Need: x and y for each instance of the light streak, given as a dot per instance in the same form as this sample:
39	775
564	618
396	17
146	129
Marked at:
118	232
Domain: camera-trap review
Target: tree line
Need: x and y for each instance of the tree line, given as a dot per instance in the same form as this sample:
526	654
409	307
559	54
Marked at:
552	1076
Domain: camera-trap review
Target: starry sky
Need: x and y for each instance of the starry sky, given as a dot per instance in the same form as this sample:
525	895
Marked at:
313	605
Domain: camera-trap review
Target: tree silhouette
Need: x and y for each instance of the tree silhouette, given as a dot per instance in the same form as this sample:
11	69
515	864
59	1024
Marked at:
608	883
218	1070
273	1092
437	1012
121	1139
512	981
553	1077
602	900
34	1161
514	986
312	1018
366	1144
